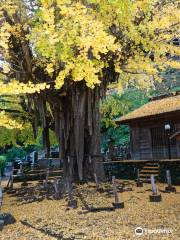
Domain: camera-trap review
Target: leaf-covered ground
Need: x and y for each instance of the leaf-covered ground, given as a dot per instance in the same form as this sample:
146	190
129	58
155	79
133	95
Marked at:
40	217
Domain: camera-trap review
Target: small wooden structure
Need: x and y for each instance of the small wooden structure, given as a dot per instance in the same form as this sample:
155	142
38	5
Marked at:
155	128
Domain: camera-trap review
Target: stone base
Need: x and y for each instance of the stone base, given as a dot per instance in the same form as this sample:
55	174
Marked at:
72	204
11	191
128	189
155	198
7	218
139	183
120	189
100	190
118	205
24	184
100	209
170	189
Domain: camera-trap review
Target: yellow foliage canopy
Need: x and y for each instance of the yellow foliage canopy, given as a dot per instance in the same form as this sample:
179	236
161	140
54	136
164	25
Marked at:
8	122
75	41
70	38
16	88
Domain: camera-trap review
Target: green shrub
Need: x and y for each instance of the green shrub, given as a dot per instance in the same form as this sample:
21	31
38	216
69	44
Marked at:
15	152
2	164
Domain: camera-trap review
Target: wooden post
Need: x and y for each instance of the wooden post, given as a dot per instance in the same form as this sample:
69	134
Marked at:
47	175
169	188
45	182
56	188
154	189
32	167
11	182
72	202
117	203
168	176
21	169
99	189
155	197
22	175
115	190
138	174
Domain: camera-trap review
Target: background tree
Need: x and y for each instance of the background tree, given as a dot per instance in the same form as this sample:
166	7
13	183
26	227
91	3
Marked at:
62	54
114	106
170	83
118	103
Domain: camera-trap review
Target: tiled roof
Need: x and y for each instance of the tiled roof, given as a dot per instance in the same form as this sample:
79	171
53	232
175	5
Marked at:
153	108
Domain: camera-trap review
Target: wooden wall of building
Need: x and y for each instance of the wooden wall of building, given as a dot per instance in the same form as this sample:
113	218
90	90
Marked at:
141	143
149	140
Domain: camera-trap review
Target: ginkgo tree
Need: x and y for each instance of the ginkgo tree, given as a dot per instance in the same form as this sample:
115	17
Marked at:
63	54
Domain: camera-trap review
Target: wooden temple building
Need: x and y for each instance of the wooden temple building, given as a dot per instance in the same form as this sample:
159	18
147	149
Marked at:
155	129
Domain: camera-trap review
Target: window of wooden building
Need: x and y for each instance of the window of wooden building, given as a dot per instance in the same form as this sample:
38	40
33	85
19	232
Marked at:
159	140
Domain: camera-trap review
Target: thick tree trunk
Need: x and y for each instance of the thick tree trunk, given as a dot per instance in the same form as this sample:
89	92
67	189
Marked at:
77	118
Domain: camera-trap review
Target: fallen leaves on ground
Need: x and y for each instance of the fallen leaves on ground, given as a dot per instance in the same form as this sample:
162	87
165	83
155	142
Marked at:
52	219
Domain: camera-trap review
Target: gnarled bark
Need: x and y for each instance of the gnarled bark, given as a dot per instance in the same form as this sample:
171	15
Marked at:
77	118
